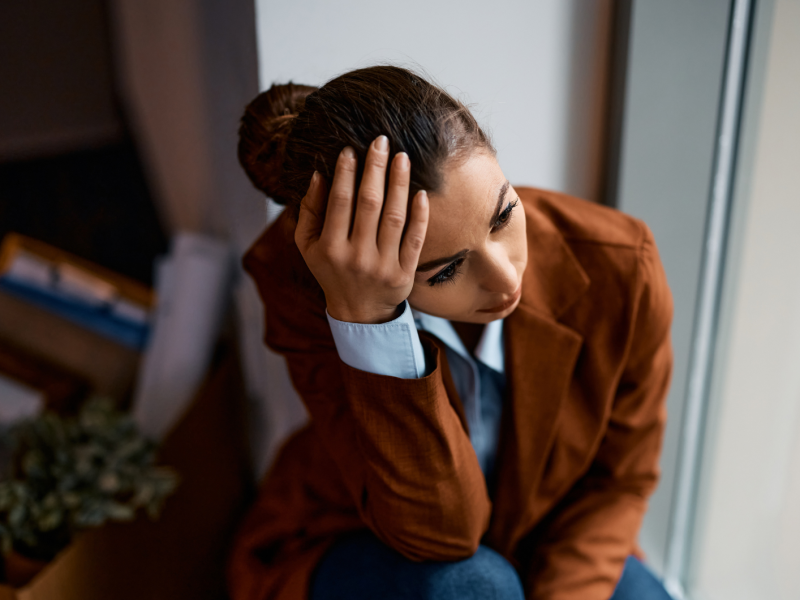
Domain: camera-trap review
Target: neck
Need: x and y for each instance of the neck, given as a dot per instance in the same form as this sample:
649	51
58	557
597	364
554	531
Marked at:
470	334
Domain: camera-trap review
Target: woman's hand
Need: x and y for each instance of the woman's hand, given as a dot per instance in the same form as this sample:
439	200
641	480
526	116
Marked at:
367	272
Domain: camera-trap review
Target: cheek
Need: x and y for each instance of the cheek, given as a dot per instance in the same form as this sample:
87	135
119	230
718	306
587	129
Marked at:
518	252
446	301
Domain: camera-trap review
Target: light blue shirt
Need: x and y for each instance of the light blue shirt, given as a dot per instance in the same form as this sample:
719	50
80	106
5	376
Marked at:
394	349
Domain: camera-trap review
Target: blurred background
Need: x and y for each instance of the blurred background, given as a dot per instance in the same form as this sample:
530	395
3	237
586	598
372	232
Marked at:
123	215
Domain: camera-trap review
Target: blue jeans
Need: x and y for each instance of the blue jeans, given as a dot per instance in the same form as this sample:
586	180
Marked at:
361	567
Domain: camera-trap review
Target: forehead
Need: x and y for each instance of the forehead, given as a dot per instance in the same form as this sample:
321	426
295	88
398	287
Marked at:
461	213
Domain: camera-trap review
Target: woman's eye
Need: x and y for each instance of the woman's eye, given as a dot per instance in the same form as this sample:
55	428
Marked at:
504	217
448	274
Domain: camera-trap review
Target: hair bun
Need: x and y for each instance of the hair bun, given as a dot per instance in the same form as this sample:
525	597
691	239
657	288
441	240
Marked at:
263	132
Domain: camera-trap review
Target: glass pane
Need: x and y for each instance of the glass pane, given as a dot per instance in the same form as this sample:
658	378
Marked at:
747	529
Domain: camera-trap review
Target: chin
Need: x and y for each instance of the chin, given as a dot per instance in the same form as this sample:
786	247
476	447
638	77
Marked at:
480	317
483	318
493	314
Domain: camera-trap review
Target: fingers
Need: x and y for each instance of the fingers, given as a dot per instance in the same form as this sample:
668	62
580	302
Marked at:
370	194
340	200
393	219
415	234
309	221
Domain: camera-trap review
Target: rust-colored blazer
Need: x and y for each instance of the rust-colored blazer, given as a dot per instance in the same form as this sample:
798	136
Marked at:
588	362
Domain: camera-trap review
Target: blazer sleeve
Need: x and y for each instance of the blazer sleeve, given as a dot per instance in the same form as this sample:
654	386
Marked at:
399	444
581	547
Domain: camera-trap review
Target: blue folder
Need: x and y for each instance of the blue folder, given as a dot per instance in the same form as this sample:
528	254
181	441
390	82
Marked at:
99	319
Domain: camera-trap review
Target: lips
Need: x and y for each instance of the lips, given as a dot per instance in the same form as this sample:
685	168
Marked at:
505	305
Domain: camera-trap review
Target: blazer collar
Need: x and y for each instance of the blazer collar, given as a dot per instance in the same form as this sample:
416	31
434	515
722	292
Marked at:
553	278
541	354
489	350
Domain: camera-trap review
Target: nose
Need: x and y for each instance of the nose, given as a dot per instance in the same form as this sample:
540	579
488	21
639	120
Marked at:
500	276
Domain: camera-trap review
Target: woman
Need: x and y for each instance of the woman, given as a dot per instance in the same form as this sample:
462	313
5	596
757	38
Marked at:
484	367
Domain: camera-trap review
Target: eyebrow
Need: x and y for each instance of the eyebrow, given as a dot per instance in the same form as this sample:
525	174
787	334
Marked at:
432	264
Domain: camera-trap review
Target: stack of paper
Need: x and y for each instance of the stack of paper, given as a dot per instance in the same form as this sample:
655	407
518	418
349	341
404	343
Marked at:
193	285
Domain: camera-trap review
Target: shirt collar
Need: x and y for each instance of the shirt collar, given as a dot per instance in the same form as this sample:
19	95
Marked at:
489	349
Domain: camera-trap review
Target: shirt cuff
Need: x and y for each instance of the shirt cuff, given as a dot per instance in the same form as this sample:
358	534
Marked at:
391	348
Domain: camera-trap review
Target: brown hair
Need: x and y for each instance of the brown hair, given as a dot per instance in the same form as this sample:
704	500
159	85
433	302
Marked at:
291	130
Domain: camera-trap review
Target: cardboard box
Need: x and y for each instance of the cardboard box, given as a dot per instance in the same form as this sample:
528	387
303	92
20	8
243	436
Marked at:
182	555
100	300
89	273
109	367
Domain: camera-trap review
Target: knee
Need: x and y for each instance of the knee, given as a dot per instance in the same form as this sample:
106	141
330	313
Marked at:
638	583
486	574
363	567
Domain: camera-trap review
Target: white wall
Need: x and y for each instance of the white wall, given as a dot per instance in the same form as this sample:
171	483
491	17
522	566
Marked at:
748	524
535	71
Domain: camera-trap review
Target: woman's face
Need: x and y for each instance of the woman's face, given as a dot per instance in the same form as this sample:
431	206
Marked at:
475	251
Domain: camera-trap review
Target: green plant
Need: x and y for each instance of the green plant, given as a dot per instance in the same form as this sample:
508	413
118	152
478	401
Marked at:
71	473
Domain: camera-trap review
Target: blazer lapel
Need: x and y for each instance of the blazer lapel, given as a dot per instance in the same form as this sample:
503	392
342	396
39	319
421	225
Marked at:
447	379
539	382
541	354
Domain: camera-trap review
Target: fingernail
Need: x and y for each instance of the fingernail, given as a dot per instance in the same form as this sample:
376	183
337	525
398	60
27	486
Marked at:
349	152
314	180
382	143
423	198
402	160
